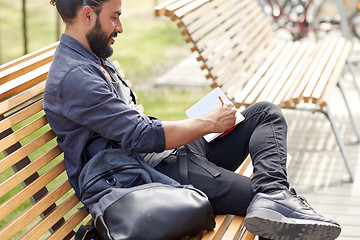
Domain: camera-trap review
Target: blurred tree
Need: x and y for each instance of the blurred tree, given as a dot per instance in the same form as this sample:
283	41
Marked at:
58	26
24	27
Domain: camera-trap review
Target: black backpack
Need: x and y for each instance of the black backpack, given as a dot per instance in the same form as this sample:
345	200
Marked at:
128	199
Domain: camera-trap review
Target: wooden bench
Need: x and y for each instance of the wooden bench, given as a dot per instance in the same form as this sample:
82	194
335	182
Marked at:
241	53
36	198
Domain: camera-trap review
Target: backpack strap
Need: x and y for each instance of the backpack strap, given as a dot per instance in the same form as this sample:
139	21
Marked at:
183	168
87	232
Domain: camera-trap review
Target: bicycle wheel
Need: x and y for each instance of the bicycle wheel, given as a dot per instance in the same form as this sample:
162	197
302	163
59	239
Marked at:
288	16
330	17
355	21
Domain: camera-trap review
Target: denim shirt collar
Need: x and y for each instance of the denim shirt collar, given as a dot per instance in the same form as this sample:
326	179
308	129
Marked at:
77	46
80	48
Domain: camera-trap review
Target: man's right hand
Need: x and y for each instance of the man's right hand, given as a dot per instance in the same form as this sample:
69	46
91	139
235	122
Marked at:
223	117
218	120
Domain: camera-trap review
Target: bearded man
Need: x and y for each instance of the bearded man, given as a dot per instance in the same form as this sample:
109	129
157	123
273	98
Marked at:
86	99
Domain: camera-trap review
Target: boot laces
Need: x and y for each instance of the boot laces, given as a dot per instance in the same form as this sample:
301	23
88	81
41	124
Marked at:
301	199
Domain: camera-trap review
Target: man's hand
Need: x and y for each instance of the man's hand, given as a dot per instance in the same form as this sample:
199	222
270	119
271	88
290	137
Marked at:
219	119
223	117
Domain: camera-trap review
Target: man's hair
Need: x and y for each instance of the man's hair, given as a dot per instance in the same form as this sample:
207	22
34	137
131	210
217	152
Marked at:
69	8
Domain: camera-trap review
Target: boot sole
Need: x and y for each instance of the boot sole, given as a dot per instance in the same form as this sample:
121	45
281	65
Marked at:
275	226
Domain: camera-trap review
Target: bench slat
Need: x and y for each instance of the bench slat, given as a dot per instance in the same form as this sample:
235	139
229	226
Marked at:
26	67
232	18
15	101
318	71
236	83
24	82
69	225
28	56
295	76
222	222
29	170
214	43
281	72
260	72
219	38
21	115
285	76
247	69
298	76
274	66
200	24
34	211
247	236
69	203
234	228
19	198
170	9
25	150
190	7
160	9
222	47
22	133
325	76
335	75
197	13
200	27
313	62
207	29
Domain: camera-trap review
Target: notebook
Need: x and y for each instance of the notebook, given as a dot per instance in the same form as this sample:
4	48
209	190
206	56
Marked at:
210	101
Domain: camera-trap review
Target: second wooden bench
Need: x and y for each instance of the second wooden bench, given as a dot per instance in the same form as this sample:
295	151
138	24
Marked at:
241	53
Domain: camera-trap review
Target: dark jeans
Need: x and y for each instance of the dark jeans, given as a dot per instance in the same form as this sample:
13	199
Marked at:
211	165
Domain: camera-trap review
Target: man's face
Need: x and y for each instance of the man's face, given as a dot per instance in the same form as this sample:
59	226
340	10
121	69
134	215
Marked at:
105	30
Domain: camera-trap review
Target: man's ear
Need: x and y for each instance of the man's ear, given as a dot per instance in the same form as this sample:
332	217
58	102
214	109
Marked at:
87	15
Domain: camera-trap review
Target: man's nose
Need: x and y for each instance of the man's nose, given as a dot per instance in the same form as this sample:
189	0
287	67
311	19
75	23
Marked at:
119	28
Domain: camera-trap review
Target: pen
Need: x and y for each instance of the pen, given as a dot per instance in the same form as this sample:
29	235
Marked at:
222	103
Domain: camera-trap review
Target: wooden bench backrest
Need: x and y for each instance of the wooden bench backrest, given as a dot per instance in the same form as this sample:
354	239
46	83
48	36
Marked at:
241	53
217	27
37	200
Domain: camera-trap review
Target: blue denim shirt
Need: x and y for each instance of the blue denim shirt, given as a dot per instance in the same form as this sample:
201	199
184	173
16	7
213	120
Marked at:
79	100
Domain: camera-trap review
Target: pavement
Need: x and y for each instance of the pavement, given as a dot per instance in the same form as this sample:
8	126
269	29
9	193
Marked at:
186	73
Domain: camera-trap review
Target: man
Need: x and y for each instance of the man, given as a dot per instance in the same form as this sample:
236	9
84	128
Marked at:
90	107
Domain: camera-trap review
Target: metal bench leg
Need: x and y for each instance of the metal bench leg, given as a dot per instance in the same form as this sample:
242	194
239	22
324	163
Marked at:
352	72
353	123
340	144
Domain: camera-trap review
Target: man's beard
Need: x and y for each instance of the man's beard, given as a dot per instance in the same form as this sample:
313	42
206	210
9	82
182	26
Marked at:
98	41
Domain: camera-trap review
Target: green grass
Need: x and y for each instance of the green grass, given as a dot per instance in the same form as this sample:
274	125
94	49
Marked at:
147	47
169	104
41	19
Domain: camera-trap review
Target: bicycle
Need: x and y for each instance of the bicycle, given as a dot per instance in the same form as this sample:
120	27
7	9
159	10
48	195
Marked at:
317	17
290	15
334	17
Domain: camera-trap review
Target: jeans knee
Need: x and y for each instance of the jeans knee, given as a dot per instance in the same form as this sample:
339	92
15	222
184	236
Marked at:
274	111
268	107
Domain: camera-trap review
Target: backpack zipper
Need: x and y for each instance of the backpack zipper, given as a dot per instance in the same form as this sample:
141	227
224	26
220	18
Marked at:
107	173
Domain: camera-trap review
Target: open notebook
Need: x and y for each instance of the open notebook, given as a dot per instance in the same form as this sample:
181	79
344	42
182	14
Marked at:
204	105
